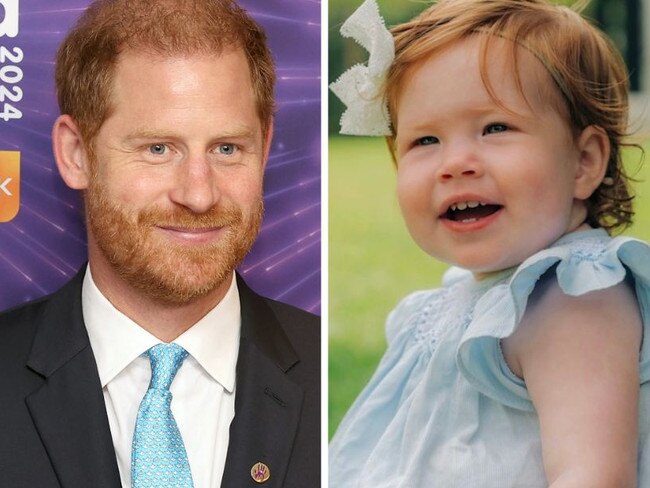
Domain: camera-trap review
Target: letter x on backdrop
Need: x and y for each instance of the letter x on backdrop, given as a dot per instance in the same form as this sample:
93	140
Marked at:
42	236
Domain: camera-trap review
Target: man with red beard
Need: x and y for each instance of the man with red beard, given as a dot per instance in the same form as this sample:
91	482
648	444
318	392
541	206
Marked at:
165	128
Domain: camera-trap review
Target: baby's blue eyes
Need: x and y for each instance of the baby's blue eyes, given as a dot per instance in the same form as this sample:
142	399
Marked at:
426	141
489	129
495	128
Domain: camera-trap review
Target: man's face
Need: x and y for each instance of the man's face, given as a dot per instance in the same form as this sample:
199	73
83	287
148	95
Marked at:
175	196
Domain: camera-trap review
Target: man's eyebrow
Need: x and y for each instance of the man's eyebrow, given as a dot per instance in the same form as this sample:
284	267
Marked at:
243	131
236	132
149	134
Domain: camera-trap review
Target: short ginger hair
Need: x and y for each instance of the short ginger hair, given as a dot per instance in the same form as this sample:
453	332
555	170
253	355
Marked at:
590	76
87	58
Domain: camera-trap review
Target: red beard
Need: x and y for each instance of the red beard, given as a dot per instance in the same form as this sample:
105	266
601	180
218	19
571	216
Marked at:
167	271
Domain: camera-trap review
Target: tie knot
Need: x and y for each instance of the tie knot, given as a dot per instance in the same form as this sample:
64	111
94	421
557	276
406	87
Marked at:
165	361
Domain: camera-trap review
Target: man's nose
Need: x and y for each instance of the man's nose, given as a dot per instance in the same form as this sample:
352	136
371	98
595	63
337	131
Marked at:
460	158
196	185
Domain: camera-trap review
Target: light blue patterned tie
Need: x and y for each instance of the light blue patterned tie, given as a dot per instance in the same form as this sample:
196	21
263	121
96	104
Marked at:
158	458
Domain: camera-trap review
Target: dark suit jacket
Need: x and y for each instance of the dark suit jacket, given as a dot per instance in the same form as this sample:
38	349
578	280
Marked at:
54	430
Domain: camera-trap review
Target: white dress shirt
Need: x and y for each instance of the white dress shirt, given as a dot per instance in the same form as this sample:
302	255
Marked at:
203	390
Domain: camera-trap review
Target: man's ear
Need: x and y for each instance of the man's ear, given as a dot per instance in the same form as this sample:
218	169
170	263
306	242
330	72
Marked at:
268	138
70	153
593	156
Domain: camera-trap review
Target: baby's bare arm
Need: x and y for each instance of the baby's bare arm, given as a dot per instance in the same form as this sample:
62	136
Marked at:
579	357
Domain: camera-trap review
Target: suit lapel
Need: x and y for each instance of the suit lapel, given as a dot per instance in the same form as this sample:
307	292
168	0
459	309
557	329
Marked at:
267	402
68	410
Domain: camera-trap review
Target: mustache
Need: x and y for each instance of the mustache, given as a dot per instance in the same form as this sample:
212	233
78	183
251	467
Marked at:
187	219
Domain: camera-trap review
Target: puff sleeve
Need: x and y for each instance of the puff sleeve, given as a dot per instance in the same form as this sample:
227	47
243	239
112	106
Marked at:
582	262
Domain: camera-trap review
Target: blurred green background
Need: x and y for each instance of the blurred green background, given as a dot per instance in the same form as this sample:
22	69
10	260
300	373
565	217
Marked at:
373	263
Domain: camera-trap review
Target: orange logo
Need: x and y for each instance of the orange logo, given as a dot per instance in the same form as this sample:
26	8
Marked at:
9	185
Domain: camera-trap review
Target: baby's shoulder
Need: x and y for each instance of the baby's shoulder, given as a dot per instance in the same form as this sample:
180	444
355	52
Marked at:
553	316
548	298
586	261
587	278
587	283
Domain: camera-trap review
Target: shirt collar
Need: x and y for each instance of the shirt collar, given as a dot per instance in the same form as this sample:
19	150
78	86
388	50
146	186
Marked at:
117	341
214	340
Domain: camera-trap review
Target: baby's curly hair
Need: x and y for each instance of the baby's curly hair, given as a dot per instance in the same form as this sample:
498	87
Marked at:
587	69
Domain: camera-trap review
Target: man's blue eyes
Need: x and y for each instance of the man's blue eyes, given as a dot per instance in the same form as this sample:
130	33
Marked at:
161	149
158	149
489	129
226	149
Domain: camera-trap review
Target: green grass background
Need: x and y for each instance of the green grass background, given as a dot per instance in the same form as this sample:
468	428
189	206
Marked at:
373	262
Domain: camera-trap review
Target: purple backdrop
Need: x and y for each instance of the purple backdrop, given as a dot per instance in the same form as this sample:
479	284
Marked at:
44	245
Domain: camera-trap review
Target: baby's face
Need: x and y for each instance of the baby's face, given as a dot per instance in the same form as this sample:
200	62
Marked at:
480	186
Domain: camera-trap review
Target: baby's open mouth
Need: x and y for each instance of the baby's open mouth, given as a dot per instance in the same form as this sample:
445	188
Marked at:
470	211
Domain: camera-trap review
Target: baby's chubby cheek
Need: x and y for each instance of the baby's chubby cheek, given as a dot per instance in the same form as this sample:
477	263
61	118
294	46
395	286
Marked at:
415	199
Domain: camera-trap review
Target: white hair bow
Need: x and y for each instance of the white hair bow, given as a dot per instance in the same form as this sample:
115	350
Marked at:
360	87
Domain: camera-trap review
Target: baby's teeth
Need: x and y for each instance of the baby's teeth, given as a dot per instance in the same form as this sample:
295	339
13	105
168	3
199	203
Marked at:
465	205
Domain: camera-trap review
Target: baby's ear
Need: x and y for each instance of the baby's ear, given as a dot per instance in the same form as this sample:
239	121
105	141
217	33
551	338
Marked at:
593	156
70	153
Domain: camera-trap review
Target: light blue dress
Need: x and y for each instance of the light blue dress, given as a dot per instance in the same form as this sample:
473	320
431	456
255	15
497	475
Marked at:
443	409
